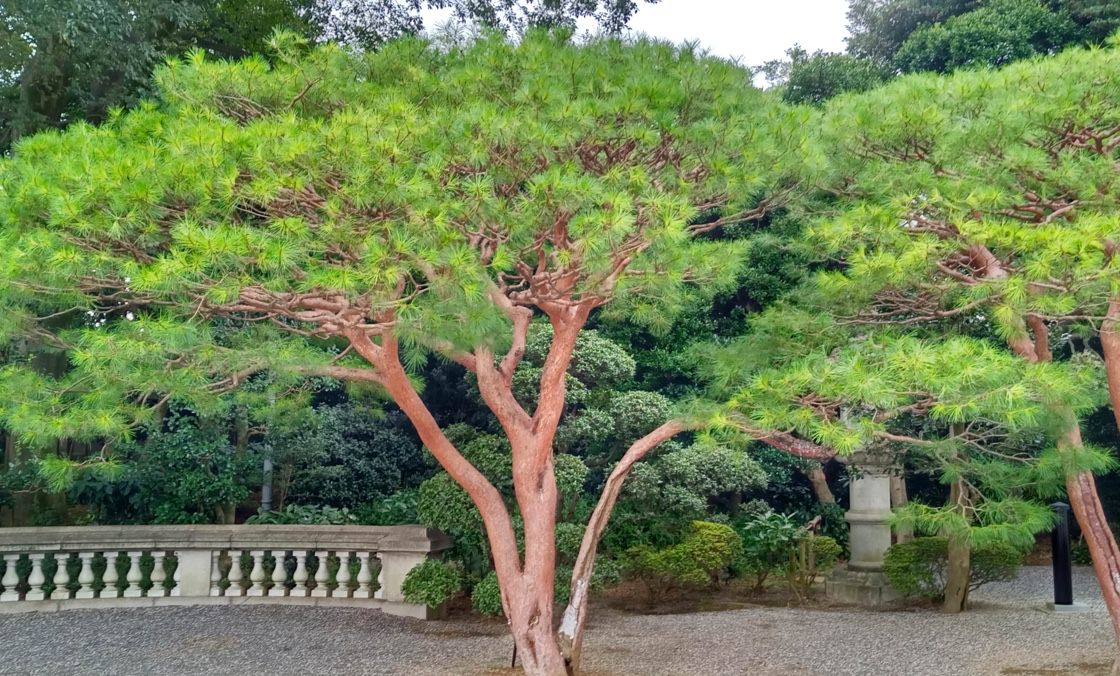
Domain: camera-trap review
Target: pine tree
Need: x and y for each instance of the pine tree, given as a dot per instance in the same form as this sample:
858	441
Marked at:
348	215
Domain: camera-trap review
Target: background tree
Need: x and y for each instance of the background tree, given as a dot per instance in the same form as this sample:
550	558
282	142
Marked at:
980	212
344	230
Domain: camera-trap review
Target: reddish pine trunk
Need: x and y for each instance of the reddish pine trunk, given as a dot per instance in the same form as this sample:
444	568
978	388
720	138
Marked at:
1082	487
819	482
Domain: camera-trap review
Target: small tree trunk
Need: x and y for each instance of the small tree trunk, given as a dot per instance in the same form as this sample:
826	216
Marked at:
959	554
819	481
958	575
573	623
899	498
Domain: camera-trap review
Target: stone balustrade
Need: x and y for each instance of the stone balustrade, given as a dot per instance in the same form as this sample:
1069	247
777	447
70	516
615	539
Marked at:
49	569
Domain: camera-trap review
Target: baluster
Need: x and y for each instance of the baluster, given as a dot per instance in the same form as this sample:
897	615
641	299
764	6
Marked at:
159	574
216	573
85	577
322	576
134	576
380	593
235	576
364	577
343	576
36	579
112	589
61	578
257	574
279	575
10	579
177	576
300	574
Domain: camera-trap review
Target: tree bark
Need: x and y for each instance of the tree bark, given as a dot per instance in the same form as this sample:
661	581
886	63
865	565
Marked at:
959	573
819	481
1110	348
899	498
1083	498
1081	487
574	620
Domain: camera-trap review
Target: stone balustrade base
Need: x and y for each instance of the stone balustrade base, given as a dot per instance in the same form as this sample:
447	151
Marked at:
388	607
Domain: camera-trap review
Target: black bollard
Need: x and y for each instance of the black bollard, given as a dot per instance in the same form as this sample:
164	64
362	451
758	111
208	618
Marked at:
1063	566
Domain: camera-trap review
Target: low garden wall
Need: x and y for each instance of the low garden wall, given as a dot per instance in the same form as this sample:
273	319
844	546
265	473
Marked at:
50	569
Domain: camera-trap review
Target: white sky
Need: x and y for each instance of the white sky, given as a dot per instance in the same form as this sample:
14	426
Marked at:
752	31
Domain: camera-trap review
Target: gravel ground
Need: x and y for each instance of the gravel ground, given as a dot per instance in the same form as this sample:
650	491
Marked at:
1006	633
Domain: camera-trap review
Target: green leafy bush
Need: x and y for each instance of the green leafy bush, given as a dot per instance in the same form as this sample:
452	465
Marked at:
637	413
698	561
814	555
486	597
305	514
432	583
398	508
681	481
351	454
919	568
769	542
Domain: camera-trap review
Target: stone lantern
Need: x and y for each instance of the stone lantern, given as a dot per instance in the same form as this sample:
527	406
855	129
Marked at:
861	581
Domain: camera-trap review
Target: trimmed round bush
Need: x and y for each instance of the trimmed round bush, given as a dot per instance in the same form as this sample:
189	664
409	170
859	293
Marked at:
826	552
487	596
698	561
919	568
432	583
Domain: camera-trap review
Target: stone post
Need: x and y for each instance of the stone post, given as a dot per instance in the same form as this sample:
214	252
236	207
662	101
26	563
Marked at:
862	581
400	554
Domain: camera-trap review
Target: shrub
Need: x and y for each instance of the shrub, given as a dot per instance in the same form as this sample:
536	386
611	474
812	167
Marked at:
486	598
432	583
398	508
305	514
769	543
638	413
698	561
351	455
814	554
919	568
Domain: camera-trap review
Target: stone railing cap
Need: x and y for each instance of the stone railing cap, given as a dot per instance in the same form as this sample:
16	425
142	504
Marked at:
407	538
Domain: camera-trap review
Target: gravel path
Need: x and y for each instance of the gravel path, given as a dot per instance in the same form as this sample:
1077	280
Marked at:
1007	633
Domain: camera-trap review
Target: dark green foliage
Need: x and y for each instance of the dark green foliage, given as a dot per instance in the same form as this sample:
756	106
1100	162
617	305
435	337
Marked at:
596	362
432	583
999	32
681	482
399	508
637	413
698	561
879	27
306	514
350	455
918	568
186	473
486	597
815	78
